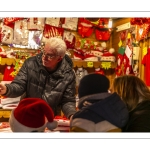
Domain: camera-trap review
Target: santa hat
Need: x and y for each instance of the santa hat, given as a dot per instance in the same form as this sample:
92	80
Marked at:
109	53
32	115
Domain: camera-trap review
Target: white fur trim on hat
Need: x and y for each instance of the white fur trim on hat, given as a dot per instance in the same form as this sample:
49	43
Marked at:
18	127
111	50
52	125
103	44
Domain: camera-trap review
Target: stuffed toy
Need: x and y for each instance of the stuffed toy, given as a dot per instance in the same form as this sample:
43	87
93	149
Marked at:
32	115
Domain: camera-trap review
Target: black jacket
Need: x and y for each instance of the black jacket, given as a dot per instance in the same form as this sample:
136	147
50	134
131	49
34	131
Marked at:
139	118
57	88
106	113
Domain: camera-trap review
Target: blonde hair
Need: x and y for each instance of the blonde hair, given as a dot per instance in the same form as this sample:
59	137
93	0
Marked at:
131	89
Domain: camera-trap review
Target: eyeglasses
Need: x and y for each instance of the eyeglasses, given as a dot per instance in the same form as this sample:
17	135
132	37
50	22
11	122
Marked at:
49	56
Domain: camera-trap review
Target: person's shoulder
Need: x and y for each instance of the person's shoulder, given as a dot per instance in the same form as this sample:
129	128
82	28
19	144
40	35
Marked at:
145	105
68	60
31	60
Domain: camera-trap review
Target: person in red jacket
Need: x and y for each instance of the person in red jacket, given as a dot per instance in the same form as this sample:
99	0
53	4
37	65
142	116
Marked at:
146	63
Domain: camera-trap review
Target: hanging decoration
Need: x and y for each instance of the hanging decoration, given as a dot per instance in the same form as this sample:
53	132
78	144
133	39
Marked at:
142	26
11	20
125	54
53	22
100	22
102	35
52	31
69	39
70	23
6	34
36	23
85	28
21	32
34	39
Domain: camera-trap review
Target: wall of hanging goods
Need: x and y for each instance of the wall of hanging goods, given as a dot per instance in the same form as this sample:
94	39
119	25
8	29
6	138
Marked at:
111	46
131	40
88	42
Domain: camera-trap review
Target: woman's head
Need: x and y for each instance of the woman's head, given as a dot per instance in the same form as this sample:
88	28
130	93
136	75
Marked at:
131	89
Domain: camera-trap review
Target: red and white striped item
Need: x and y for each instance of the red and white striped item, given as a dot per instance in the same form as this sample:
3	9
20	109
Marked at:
63	124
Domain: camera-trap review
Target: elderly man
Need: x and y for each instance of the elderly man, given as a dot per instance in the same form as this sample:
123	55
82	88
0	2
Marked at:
49	76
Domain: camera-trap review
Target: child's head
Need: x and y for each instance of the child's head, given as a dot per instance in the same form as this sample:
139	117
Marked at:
93	84
32	115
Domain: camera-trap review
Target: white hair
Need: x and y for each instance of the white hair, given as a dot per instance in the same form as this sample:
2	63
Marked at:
57	45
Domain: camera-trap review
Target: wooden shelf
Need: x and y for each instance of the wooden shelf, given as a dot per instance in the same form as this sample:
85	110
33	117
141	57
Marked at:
97	64
5	115
77	63
7	61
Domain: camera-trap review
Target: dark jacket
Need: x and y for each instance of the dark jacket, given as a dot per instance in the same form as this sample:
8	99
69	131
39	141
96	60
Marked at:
107	113
57	88
139	118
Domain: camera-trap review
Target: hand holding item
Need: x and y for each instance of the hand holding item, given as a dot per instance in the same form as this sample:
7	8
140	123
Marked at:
3	89
70	118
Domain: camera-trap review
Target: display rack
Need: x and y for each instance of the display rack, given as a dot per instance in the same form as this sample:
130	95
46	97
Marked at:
91	64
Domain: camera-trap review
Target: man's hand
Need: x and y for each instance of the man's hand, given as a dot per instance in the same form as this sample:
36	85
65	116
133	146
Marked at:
70	118
3	89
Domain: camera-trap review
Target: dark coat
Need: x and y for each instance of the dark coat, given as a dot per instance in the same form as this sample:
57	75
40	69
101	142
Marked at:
107	113
57	88
139	118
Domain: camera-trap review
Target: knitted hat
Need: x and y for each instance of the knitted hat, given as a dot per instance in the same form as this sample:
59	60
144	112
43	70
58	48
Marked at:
30	115
93	84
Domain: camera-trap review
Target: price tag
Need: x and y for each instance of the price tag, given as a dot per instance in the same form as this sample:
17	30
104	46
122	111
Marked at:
144	51
106	65
129	35
120	43
90	64
5	114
